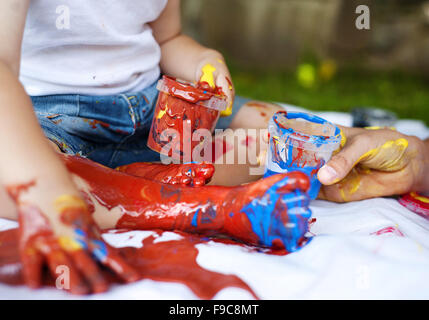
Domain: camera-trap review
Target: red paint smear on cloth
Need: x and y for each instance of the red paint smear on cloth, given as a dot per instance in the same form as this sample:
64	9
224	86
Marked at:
170	261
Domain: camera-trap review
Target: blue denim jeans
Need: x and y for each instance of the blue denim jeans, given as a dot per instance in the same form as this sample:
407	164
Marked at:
111	130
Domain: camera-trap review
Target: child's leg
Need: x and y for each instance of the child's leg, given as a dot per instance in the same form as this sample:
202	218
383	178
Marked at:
251	115
7	207
119	200
255	115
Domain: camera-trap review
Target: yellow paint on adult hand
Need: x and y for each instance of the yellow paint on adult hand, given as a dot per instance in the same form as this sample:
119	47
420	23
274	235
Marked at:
380	128
208	76
350	184
391	156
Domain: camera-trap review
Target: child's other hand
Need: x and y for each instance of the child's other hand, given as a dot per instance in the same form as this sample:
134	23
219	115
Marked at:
375	163
212	69
56	229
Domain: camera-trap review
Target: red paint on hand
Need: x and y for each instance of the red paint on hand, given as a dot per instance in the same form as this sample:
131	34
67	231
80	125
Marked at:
184	174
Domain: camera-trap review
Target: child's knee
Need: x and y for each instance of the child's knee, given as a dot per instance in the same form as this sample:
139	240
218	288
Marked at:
255	114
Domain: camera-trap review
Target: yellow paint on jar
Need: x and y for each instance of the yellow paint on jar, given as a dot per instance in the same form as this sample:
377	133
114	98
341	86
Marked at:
420	198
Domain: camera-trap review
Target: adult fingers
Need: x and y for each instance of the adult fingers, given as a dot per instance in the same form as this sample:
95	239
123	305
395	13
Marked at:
364	184
343	162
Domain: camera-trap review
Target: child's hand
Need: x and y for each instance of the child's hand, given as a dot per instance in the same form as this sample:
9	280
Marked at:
56	229
375	163
212	70
192	174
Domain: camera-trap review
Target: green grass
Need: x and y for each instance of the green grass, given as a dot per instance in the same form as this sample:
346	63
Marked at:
405	94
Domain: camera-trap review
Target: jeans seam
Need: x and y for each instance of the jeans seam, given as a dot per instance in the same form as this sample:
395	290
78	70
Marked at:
78	105
132	115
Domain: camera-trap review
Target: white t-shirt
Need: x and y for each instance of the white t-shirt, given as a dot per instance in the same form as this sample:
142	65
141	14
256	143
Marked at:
94	47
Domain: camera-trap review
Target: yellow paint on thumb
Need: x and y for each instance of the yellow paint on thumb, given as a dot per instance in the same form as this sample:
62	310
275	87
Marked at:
207	76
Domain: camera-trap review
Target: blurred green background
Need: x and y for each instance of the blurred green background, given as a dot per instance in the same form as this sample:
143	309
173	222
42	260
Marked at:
310	53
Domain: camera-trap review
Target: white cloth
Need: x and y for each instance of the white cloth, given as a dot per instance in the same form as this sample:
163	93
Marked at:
370	249
95	47
345	260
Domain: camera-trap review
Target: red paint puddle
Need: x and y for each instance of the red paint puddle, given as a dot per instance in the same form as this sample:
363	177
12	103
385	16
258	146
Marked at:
169	261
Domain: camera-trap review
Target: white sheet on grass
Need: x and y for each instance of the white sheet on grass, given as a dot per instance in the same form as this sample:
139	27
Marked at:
345	260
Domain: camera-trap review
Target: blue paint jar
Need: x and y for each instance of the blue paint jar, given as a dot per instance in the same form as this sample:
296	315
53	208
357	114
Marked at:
300	141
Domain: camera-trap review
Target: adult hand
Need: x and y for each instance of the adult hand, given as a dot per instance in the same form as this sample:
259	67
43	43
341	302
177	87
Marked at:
374	163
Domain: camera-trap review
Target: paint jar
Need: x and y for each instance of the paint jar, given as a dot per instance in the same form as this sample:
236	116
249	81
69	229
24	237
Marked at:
185	115
300	141
416	202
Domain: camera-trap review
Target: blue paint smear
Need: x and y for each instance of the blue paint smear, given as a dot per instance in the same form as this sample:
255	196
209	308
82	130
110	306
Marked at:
264	214
314	182
100	250
318	141
194	221
81	238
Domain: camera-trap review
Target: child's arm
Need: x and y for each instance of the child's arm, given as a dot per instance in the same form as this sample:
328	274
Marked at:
184	58
51	214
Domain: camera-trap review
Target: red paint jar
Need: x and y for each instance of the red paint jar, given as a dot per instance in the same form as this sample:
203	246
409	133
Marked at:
185	114
416	202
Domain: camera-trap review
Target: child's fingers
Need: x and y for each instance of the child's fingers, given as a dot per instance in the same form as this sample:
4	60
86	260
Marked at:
205	170
89	269
120	267
64	271
199	181
295	181
109	258
32	261
223	82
